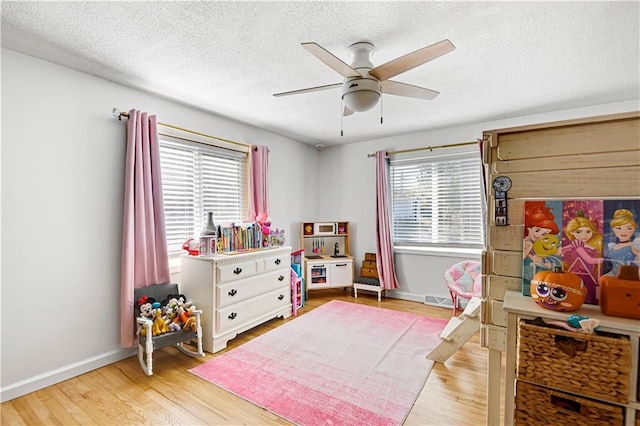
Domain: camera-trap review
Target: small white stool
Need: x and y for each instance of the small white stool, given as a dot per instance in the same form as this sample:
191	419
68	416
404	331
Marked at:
367	284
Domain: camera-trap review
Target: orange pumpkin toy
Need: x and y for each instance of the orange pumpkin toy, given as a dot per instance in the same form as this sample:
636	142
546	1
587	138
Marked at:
557	290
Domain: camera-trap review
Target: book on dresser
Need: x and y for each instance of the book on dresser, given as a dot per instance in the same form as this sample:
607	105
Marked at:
237	292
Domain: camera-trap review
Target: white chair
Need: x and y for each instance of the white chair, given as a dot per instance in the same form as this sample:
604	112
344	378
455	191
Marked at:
147	343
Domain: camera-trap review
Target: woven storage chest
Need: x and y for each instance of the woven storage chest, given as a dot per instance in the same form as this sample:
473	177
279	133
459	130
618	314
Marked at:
536	405
599	366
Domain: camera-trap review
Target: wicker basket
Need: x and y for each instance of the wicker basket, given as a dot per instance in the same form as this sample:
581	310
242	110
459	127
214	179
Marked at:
599	366
559	408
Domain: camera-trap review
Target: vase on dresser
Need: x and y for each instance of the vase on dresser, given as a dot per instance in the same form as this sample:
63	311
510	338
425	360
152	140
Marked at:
209	227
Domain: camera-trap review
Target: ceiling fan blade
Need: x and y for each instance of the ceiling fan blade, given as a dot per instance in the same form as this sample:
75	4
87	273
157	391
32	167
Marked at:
310	89
403	89
346	111
332	61
412	60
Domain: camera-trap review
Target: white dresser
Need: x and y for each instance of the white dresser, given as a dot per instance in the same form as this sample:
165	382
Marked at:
237	292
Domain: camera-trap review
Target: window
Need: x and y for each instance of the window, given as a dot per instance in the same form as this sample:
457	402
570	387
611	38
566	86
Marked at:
437	201
196	179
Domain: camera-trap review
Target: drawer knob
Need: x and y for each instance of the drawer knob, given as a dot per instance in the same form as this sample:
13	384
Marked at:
281	277
237	271
232	315
277	262
281	297
233	292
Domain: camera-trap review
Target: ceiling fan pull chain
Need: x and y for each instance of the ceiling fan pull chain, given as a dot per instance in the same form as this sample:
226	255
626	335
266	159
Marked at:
381	98
342	119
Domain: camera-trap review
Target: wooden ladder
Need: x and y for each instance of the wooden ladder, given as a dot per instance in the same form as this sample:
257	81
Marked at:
457	332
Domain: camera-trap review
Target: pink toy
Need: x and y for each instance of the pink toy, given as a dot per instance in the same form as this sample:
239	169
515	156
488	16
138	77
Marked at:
265	224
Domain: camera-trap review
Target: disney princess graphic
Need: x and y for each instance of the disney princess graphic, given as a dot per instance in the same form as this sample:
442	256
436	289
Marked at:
582	253
541	244
624	247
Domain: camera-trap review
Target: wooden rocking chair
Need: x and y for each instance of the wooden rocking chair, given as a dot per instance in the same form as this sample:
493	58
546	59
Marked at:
147	343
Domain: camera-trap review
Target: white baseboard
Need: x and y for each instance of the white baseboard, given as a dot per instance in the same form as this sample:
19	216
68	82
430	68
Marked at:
395	294
49	378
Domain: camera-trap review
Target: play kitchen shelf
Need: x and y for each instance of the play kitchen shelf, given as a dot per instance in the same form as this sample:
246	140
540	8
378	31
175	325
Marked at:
328	263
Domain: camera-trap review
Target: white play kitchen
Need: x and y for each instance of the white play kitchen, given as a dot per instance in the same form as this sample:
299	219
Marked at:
328	263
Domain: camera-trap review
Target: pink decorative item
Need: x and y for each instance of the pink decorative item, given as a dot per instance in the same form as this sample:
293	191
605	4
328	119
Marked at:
264	221
192	247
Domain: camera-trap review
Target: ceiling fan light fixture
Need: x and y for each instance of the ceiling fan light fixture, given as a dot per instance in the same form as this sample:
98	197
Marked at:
360	101
360	94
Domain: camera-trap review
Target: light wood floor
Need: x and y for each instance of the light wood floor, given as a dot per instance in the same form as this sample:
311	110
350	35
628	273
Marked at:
120	393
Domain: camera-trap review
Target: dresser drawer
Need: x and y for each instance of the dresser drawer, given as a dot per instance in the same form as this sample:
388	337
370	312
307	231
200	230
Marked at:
282	260
239	314
237	291
235	271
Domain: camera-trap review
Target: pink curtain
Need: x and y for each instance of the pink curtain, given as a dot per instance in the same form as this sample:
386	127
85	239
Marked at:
384	247
145	259
258	184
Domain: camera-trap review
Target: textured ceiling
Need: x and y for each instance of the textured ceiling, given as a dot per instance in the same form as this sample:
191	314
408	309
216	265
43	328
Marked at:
511	58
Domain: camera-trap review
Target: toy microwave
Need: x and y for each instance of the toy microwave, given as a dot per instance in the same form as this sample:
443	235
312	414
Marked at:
325	228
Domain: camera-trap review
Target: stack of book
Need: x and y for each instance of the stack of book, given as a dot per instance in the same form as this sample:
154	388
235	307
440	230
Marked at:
240	237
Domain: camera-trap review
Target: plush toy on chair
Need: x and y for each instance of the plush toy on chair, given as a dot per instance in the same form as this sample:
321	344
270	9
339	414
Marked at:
464	279
153	335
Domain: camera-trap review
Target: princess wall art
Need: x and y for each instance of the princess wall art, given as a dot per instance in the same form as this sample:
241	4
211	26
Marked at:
589	238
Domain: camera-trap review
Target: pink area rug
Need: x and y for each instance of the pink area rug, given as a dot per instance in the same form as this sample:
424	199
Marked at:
340	364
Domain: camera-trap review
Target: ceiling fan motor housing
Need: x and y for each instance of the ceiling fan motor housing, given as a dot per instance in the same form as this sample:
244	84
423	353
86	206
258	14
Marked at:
361	93
361	54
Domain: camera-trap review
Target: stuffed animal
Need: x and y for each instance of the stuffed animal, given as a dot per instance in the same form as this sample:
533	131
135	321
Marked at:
159	325
145	305
181	299
277	237
145	309
186	318
171	315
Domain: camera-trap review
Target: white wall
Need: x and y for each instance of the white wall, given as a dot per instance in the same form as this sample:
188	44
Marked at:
62	190
61	200
347	191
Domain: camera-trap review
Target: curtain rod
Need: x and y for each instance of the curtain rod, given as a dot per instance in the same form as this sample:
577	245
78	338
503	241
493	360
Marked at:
430	148
119	114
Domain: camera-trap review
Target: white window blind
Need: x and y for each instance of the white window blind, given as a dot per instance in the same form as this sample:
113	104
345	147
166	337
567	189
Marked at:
436	201
197	179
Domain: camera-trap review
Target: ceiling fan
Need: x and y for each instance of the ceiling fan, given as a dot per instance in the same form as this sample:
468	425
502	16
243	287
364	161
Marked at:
363	84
